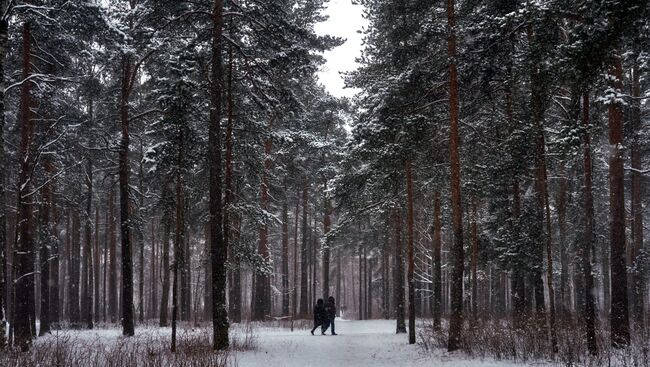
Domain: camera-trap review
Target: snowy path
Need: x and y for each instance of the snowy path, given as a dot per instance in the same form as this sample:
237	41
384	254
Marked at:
359	343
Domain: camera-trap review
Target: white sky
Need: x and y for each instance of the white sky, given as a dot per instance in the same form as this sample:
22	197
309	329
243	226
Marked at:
345	19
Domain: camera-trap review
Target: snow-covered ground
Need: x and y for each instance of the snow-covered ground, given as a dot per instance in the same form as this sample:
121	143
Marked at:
359	343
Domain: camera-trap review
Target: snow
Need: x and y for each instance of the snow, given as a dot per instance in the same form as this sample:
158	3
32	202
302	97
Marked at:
359	343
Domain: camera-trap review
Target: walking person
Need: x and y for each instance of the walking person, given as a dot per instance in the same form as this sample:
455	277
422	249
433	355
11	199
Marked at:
330	314
319	315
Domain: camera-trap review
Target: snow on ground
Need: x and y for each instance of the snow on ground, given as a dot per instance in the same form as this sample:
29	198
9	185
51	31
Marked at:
359	343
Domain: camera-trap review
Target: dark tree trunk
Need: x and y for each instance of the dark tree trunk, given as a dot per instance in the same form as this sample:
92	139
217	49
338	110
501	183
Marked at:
385	270
96	267
235	275
564	257
4	35
168	203
294	293
54	255
74	313
619	317
179	241
47	240
23	286
398	275
411	245
153	309
362	306
112	254
638	266
437	264
285	257
128	327
262	293
457	256
140	235
326	242
87	272
219	251
588	242
474	263
304	305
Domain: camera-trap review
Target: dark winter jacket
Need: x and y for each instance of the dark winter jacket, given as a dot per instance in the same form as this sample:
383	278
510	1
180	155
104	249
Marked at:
319	314
330	310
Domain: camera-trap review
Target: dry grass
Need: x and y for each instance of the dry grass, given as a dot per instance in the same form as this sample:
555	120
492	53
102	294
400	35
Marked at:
149	348
499	340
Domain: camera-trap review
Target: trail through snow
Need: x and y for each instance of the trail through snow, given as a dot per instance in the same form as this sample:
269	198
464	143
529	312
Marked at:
359	343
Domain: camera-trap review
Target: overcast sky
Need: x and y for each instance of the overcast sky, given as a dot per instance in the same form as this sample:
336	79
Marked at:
345	19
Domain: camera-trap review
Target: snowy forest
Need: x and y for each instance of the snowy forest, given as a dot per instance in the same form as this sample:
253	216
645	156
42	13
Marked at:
179	188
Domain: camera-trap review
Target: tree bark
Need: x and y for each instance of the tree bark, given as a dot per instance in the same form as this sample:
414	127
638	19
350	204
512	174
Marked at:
619	317
74	264
24	252
398	275
128	327
166	224
638	266
4	36
87	276
262	293
474	263
96	267
304	305
47	240
219	250
437	264
285	257
411	245
589	240
457	256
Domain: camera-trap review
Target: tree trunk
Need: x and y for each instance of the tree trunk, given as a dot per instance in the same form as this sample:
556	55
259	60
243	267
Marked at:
128	328
437	264
304	305
619	317
154	274
285	257
326	242
474	263
47	240
294	293
96	267
235	291
4	36
166	223
411	245
398	275
638	266
24	252
179	243
457	256
588	243
86	277
564	257
74	313
219	250
140	235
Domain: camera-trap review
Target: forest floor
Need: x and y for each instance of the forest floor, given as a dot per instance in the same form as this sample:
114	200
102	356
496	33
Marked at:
358	343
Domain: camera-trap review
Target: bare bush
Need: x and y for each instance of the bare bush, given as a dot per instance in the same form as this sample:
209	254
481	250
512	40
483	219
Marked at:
501	341
149	348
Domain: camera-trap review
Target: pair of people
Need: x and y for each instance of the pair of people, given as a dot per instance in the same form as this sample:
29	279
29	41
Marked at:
324	315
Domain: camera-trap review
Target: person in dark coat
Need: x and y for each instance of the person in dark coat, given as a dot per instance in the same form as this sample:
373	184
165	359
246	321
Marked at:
330	314
319	315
